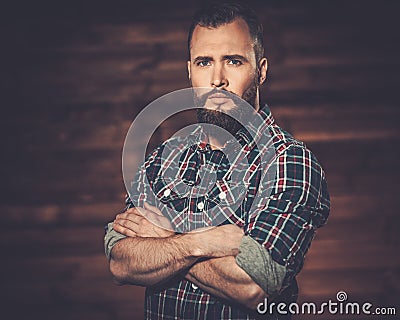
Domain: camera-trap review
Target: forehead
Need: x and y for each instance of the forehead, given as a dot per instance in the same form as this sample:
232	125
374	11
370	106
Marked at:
230	38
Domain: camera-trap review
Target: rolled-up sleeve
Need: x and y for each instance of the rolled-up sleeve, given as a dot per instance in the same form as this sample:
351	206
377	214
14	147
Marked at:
285	215
110	239
259	265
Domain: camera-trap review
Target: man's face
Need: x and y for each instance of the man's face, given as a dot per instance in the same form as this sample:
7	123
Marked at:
223	58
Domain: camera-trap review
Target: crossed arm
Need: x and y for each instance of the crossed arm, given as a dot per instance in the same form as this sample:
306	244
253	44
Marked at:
151	255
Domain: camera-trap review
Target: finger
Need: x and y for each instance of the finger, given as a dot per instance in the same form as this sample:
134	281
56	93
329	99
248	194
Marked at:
124	230
133	210
127	224
124	213
133	216
138	219
153	209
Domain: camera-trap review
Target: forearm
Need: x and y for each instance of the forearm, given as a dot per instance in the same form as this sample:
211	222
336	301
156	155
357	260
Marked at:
148	261
223	278
139	255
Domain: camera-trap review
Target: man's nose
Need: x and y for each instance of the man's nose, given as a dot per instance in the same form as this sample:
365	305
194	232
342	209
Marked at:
219	78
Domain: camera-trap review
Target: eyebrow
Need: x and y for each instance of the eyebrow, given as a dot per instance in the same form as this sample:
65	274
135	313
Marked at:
203	58
235	57
226	57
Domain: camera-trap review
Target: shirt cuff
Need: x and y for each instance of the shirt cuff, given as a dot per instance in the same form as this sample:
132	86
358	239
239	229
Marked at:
110	239
257	262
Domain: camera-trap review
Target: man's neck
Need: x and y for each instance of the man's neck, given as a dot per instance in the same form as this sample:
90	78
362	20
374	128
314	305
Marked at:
215	144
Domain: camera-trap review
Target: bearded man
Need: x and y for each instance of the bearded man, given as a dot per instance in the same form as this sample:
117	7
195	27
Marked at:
255	253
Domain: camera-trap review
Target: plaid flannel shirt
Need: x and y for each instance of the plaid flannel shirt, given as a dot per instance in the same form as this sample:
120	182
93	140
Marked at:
280	210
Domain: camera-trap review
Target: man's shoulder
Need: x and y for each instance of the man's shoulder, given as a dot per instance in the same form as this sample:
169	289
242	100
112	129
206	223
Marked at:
283	141
292	150
280	139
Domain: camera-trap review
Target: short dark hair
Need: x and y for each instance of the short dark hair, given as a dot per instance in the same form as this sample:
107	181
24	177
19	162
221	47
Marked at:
216	15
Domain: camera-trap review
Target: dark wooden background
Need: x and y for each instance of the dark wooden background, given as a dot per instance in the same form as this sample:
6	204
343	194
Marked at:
73	76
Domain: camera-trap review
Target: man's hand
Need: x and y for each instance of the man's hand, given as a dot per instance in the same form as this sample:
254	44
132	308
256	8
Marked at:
143	222
220	241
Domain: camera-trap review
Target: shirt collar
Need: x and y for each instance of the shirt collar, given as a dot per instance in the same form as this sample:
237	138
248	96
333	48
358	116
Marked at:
199	139
251	134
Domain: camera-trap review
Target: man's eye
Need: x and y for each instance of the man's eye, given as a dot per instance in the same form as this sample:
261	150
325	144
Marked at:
203	63
235	62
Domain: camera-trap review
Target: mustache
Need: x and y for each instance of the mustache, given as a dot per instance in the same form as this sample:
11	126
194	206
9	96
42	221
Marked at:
202	98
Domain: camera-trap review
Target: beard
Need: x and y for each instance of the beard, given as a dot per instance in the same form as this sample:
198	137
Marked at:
235	118
222	125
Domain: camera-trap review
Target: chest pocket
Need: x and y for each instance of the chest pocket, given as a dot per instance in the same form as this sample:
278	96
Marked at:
224	202
167	189
227	193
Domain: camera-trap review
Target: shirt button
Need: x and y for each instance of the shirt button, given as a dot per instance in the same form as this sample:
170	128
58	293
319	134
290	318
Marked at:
222	195
167	192
200	205
194	287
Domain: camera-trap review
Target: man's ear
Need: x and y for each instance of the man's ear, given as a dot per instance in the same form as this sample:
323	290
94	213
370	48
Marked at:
188	68
262	70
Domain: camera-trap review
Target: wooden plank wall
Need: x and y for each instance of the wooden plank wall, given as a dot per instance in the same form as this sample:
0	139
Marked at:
74	75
